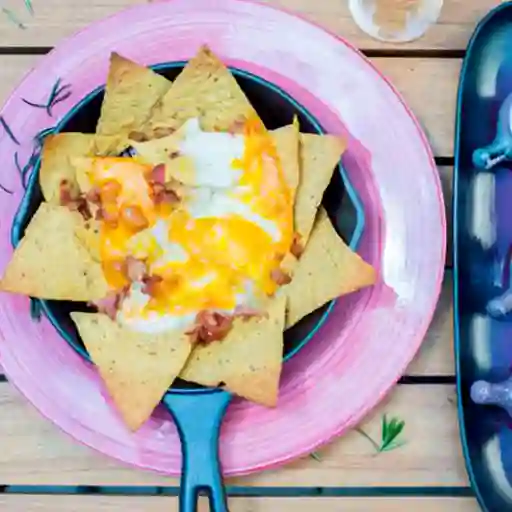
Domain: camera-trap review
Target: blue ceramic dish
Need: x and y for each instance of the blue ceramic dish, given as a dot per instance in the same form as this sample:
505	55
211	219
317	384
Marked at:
201	470
482	220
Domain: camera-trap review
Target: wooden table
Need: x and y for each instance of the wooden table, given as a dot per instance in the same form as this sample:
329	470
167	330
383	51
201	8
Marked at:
427	473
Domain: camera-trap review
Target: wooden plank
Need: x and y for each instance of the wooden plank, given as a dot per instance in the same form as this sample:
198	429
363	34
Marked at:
170	504
452	31
428	85
54	20
35	452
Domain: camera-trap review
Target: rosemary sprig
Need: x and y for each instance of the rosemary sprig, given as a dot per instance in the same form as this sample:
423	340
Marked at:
29	7
315	456
12	17
390	434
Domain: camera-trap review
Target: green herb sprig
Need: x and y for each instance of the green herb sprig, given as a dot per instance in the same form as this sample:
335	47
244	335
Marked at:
29	7
390	435
13	17
315	456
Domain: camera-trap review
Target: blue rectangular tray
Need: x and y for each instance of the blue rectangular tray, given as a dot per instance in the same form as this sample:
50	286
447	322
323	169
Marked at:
482	221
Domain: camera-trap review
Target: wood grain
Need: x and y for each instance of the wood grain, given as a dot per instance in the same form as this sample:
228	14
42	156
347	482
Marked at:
168	504
36	452
55	19
452	31
429	86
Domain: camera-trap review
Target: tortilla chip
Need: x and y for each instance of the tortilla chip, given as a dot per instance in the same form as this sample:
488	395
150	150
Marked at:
59	149
137	368
109	145
205	89
82	166
160	151
51	263
248	361
319	155
89	235
181	168
131	92
286	140
327	269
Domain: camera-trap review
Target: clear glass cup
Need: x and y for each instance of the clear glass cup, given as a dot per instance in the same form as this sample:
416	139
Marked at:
396	21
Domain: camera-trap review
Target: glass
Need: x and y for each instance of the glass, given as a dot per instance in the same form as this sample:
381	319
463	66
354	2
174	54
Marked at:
395	21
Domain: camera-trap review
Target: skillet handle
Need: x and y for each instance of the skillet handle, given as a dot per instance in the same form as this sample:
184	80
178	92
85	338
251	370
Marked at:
198	418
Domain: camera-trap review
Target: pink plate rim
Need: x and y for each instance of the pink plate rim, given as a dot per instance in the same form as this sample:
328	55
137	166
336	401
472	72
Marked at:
371	336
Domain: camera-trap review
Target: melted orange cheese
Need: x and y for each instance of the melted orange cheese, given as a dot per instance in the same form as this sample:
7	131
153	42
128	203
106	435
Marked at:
223	256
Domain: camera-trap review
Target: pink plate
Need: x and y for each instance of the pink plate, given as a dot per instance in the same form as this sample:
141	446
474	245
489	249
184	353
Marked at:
371	336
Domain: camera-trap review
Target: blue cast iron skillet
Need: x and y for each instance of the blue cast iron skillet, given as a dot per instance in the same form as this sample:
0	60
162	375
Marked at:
197	410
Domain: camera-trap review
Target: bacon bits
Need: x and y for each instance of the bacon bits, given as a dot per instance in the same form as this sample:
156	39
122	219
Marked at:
109	191
110	304
94	196
103	197
66	193
162	192
83	209
297	247
150	284
133	217
158	174
163	195
108	215
75	202
210	326
280	277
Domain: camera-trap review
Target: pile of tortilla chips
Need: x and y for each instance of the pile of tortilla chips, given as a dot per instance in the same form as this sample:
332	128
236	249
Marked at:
58	257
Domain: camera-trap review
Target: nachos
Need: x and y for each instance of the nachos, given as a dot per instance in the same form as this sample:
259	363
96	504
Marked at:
198	249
